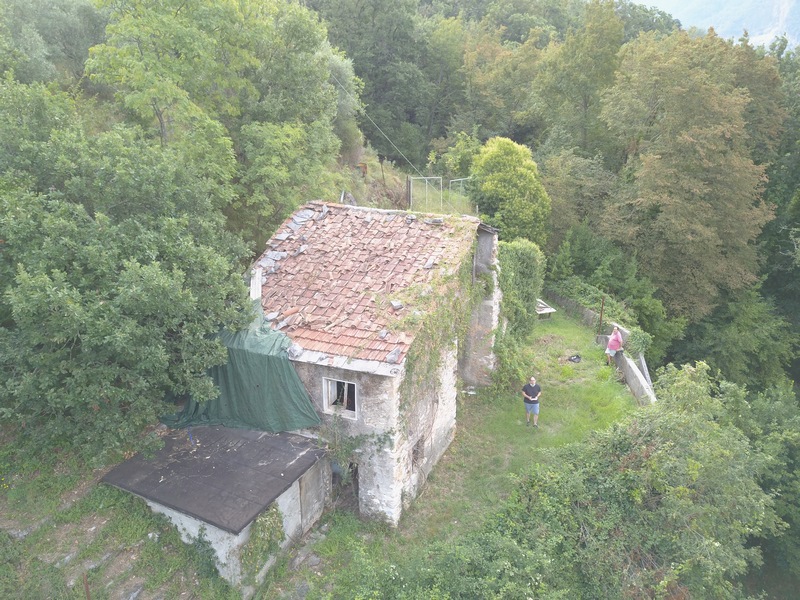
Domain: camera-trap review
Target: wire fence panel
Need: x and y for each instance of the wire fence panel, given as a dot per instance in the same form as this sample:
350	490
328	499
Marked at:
426	194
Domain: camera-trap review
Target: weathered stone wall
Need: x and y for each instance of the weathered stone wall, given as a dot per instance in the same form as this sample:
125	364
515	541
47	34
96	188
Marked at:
419	430
429	427
380	473
485	252
376	396
478	360
304	502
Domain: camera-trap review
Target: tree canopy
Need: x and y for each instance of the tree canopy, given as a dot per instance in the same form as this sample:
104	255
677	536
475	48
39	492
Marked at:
507	189
695	209
149	148
663	504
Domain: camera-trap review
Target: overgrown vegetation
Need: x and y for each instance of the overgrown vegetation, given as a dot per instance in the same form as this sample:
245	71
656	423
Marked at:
148	149
346	450
87	529
480	469
667	500
439	317
522	269
266	535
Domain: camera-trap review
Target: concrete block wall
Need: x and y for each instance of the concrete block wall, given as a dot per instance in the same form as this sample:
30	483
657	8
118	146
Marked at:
301	506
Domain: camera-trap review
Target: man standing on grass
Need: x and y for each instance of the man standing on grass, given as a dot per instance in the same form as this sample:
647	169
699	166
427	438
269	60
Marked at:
530	395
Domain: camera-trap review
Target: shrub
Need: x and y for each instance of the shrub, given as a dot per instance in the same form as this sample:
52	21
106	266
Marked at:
522	269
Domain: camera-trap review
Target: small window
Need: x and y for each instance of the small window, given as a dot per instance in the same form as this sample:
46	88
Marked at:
340	396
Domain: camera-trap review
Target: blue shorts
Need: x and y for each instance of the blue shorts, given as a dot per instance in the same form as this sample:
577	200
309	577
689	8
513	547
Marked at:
532	408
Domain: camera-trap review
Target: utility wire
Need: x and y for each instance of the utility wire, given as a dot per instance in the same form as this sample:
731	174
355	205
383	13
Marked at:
358	103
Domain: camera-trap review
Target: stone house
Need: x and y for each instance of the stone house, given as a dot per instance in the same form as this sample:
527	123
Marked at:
385	309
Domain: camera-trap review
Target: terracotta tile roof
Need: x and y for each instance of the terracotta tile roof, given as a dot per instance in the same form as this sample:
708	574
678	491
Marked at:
334	276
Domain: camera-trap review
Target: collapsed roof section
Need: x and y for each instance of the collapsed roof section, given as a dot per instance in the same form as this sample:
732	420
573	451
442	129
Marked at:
336	279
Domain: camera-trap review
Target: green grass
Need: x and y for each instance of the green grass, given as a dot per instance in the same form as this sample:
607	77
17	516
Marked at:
80	527
446	203
117	542
31	489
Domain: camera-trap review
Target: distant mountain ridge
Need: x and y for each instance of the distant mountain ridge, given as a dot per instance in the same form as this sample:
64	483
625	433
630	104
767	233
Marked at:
764	20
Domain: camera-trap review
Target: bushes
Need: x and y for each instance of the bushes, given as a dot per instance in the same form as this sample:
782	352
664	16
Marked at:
591	297
588	267
508	191
662	505
522	268
638	341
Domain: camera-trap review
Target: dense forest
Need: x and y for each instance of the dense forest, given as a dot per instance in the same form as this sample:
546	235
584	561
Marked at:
149	148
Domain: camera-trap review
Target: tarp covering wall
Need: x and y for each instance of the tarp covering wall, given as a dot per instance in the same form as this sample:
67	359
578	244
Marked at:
259	388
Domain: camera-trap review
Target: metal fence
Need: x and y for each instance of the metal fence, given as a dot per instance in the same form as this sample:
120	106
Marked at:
427	194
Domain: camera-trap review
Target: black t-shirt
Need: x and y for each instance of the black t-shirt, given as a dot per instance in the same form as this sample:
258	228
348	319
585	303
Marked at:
533	391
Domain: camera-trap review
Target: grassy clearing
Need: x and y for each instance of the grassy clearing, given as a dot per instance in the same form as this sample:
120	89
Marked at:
492	447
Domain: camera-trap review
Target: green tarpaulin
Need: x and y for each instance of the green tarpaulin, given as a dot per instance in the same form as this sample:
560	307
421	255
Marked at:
259	388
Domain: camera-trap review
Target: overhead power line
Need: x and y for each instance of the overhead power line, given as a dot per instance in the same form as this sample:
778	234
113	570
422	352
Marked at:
346	91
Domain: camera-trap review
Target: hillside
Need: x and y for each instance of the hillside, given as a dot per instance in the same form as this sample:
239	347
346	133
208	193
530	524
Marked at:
764	21
148	150
60	525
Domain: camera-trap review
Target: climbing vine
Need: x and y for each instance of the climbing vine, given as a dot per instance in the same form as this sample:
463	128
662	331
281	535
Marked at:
447	317
343	448
266	535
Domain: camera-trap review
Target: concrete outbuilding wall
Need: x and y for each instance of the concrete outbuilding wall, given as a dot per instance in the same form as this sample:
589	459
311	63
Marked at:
301	505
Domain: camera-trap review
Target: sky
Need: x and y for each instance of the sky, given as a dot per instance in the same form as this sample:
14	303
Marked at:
763	19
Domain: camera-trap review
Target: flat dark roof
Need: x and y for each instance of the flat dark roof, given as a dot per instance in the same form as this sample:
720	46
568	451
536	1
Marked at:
224	477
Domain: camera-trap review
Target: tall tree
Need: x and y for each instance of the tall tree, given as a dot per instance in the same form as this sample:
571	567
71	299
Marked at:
506	187
173	61
53	37
106	320
694	209
779	240
638	18
218	80
385	44
498	98
520	19
574	74
443	67
744	339
579	188
765	113
115	274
